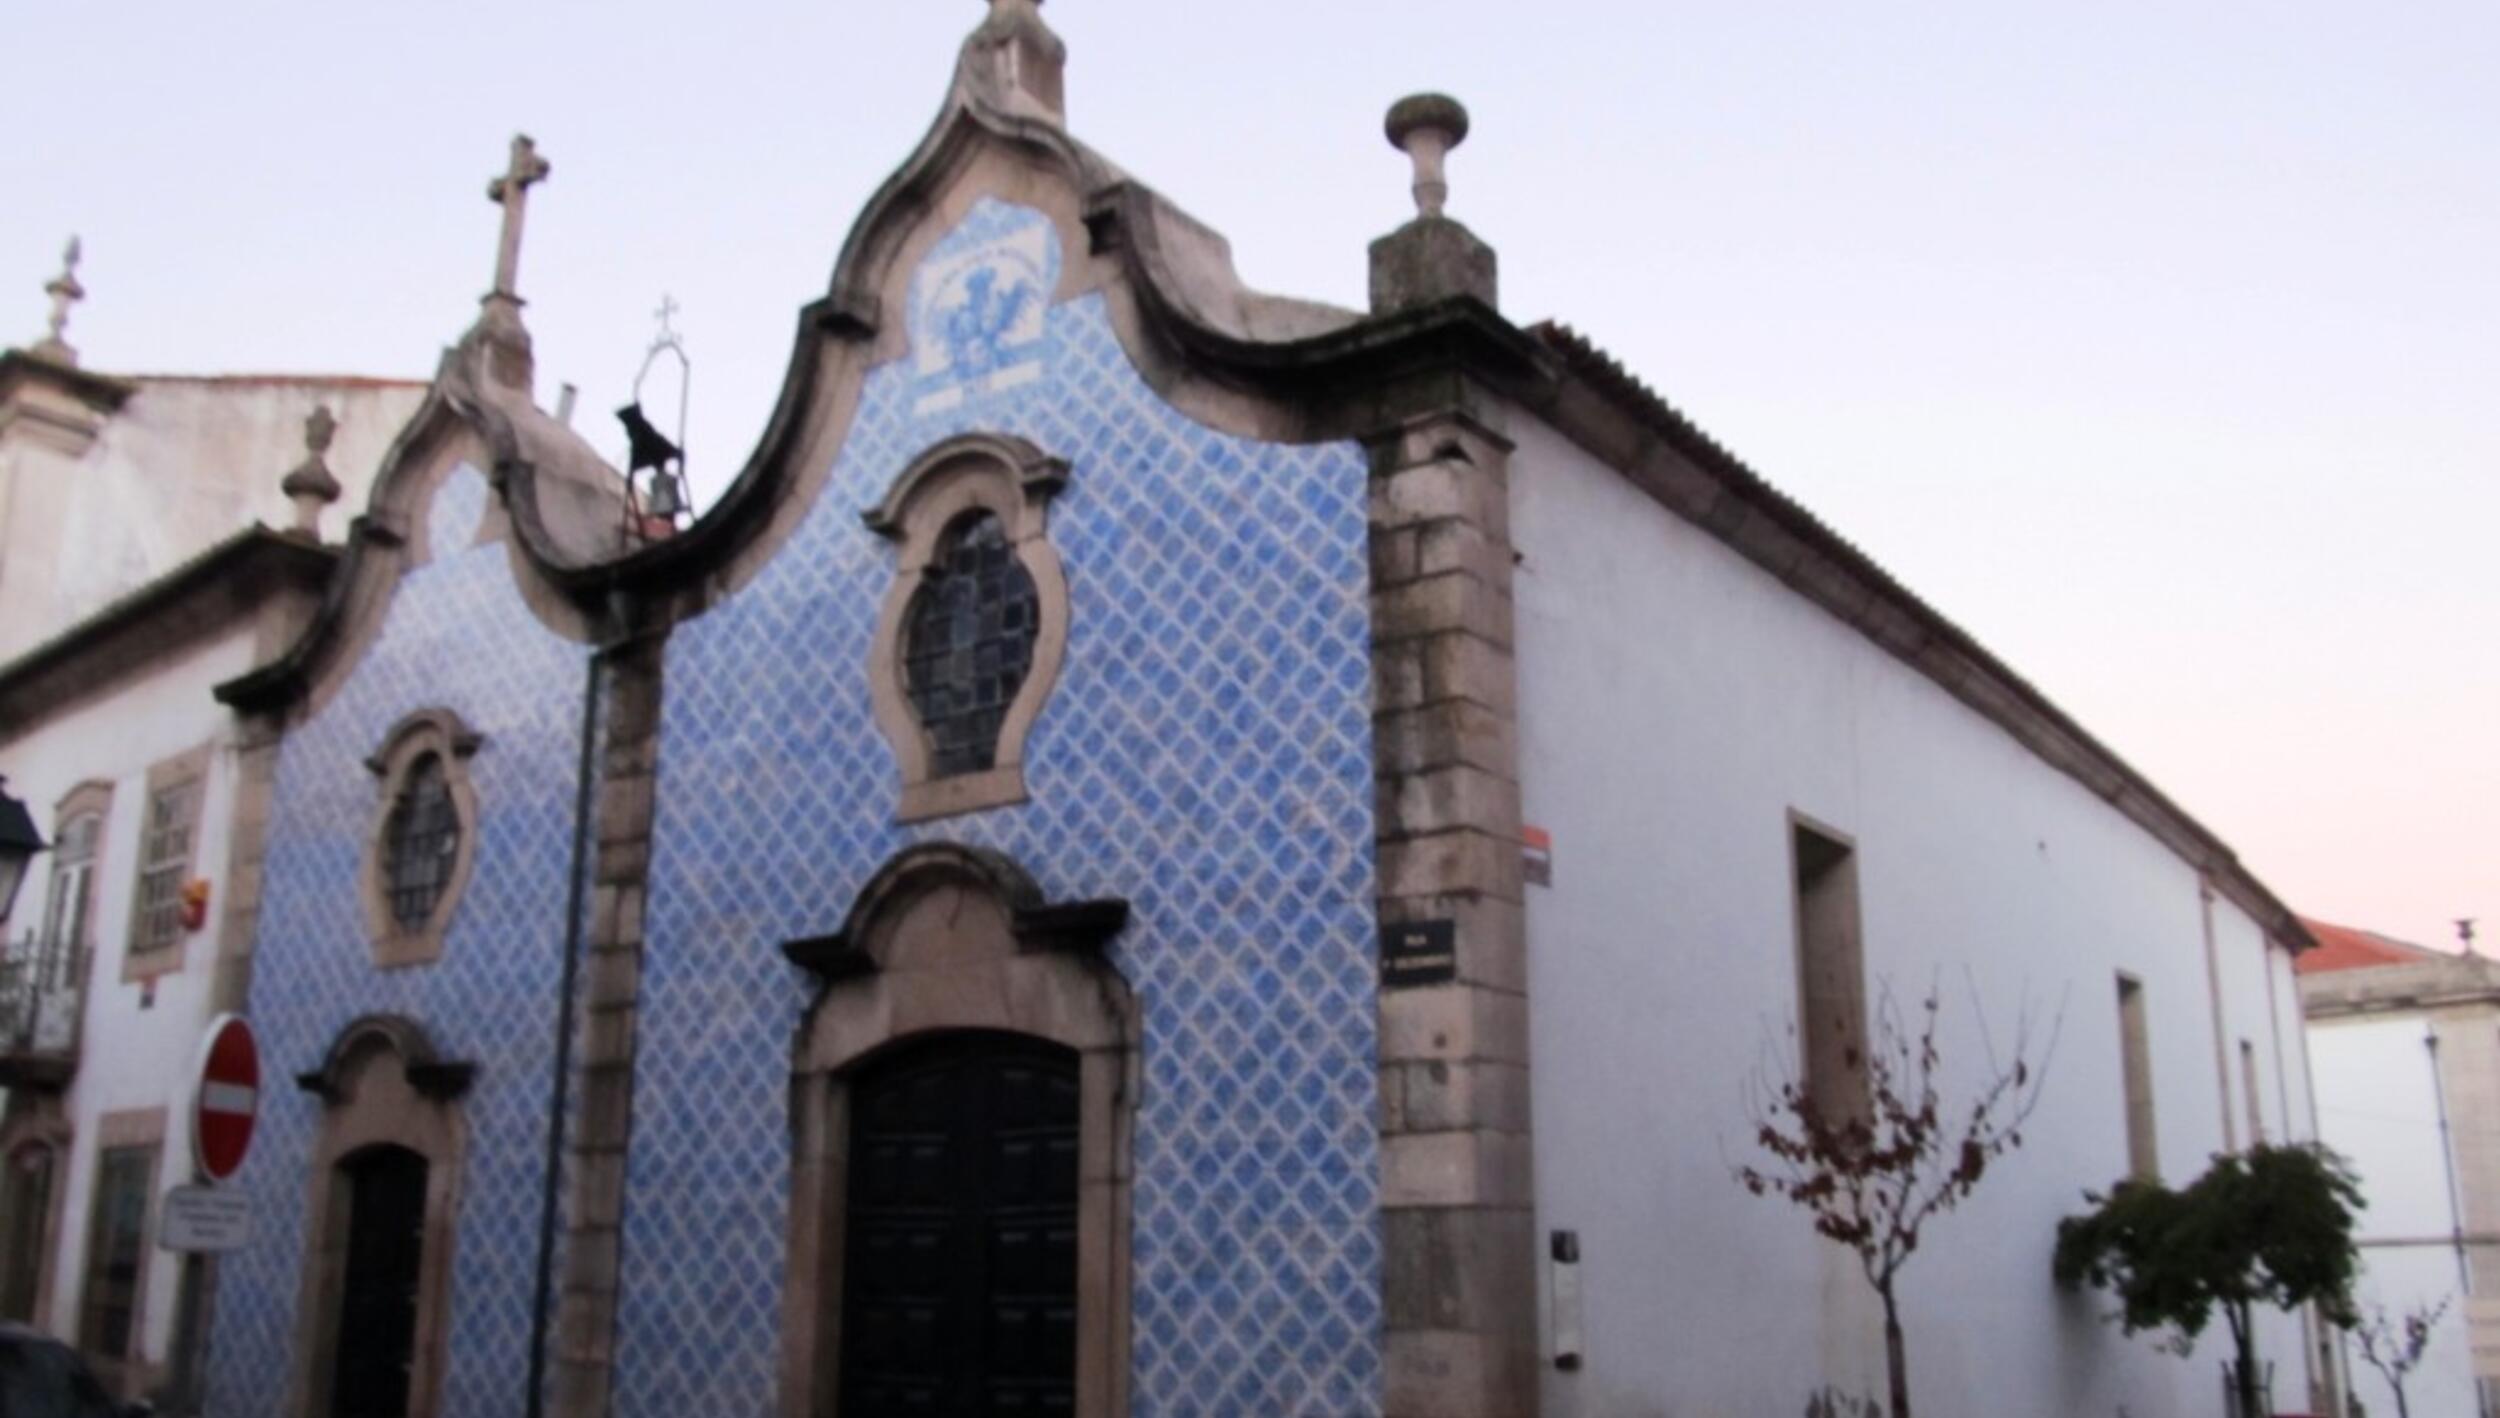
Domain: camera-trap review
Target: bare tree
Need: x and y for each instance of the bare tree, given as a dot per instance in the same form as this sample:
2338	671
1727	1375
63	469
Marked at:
2395	1346
1873	1177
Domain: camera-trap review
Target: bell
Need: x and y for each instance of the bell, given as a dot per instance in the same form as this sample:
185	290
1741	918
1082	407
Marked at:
668	500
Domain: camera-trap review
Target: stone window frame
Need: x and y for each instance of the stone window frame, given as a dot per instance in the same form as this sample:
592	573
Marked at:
128	1130
1827	908
1015	482
43	1125
142	960
382	1084
1045	977
444	735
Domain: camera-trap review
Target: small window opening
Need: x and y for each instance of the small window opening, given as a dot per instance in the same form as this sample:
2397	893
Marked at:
970	641
1831	968
420	843
2135	1061
2248	1085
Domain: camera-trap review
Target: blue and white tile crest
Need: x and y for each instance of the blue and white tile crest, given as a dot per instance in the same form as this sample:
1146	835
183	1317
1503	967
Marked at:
977	309
1206	754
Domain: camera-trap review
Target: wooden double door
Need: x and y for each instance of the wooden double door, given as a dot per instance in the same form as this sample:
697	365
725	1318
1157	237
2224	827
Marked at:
377	1323
959	1265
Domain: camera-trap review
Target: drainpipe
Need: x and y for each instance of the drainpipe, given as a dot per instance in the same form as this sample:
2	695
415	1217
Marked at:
542	1304
2448	1160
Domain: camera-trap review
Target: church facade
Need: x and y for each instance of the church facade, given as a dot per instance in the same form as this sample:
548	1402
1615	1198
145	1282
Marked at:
1167	851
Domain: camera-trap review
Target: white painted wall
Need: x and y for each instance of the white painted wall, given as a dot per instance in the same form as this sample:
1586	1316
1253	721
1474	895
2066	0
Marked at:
185	463
2378	1104
1677	704
135	1054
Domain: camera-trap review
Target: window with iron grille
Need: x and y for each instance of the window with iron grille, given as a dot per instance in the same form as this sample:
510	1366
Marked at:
116	1251
164	864
420	843
969	644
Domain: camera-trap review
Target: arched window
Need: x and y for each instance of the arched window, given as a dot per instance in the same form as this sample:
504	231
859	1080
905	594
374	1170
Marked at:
970	646
970	638
424	836
420	842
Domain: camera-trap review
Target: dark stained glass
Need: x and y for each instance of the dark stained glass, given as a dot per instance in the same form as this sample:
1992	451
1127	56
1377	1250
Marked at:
419	843
969	643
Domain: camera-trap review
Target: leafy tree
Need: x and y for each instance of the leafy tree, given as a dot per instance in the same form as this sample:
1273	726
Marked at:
1873	1177
2272	1225
2394	1347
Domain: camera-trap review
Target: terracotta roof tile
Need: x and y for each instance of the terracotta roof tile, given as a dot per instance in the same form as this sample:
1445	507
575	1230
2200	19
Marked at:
2345	948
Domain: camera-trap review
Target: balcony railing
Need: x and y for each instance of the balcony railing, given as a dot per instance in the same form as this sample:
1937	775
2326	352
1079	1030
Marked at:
42	983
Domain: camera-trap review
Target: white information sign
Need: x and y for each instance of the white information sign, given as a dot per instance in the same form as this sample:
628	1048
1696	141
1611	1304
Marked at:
205	1220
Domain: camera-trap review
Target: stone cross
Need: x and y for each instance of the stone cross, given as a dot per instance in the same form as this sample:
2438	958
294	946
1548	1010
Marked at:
65	292
511	192
667	313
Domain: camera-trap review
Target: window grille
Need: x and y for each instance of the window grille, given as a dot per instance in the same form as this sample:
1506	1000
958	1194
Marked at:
115	1253
970	643
420	842
164	863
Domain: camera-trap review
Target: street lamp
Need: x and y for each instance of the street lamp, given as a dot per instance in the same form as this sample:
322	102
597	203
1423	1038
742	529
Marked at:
19	842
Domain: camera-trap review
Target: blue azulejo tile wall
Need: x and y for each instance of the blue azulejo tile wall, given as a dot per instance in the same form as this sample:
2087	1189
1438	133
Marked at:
1206	755
457	636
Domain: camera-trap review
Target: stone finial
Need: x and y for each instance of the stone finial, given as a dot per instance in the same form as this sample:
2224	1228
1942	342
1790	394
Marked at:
65	292
1431	258
1016	60
511	191
1426	127
311	487
507	343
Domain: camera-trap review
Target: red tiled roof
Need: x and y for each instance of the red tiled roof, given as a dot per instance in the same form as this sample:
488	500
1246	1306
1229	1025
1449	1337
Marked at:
2344	948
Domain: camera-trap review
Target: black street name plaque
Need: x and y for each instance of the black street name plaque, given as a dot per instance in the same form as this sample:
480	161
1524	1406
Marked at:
1418	953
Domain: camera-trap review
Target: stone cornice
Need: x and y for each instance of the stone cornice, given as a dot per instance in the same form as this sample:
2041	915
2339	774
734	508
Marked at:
204	596
2456	982
101	393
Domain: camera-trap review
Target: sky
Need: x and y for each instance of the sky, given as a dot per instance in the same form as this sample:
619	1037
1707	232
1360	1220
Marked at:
2155	344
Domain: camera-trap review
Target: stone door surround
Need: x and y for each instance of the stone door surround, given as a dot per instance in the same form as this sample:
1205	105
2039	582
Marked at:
949	938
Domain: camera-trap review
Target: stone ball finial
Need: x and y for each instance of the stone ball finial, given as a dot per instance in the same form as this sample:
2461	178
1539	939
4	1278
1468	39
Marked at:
1426	127
312	487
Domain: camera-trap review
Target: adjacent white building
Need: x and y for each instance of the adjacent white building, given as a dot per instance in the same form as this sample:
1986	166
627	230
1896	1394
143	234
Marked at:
133	579
2406	1043
1721	763
108	480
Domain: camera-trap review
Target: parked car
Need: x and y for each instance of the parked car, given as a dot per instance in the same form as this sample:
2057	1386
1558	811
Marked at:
40	1377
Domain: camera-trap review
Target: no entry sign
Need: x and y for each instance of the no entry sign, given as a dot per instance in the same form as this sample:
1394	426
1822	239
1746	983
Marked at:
229	1097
